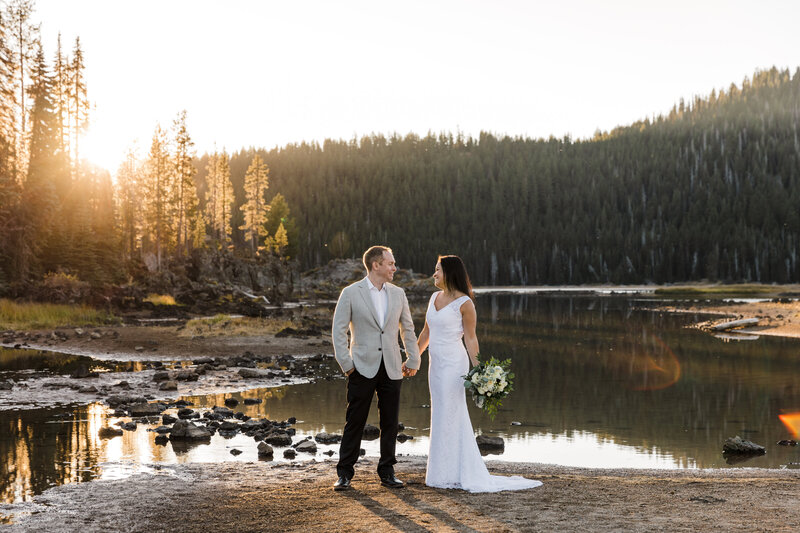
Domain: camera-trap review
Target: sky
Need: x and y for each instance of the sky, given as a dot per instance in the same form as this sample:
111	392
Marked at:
268	73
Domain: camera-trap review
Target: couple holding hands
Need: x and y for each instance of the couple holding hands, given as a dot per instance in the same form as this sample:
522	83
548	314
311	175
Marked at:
375	311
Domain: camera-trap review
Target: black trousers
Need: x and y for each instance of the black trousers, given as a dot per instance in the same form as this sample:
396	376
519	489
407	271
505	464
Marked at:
360	391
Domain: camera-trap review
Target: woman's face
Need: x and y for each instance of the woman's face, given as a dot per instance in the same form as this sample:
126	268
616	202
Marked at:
438	276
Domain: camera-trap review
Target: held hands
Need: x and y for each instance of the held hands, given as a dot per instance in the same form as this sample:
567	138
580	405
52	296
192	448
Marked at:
408	372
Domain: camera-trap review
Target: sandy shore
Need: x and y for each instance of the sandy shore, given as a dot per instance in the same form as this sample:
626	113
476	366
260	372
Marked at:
298	497
776	318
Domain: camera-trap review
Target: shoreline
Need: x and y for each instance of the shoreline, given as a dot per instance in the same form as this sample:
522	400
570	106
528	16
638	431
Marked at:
298	497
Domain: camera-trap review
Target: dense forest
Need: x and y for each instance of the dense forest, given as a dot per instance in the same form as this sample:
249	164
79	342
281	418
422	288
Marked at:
709	191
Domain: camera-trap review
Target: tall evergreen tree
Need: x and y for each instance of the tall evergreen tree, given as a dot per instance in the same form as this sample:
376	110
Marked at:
254	210
186	189
24	36
156	192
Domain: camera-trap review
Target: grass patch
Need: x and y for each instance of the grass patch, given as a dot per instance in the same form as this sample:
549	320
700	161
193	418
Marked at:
227	326
740	289
160	299
31	315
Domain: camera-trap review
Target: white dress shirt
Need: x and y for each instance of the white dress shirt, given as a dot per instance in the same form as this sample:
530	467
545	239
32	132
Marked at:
380	299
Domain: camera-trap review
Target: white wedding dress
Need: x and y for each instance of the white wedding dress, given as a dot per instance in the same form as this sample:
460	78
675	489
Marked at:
454	461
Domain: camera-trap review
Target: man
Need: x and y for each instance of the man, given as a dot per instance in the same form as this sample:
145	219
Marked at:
373	310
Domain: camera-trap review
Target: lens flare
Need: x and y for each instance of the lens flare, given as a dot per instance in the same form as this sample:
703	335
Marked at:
792	423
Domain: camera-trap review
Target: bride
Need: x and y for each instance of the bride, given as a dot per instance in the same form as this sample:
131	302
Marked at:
454	460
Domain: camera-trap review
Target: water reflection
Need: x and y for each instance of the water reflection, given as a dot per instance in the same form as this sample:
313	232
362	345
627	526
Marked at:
601	382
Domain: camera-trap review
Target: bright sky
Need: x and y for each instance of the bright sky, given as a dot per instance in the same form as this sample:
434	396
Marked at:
267	73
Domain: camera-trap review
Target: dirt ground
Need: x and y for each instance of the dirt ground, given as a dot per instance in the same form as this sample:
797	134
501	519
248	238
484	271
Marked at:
298	497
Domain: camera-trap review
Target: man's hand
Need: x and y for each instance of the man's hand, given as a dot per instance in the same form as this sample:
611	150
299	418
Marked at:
408	372
350	371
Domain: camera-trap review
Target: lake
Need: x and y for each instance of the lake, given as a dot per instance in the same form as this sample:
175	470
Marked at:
601	381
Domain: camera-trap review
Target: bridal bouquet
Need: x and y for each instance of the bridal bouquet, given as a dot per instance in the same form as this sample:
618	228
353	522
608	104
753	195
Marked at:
489	382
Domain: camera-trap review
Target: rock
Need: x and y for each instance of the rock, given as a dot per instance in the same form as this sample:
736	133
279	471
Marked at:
109	432
252	401
96	335
236	452
737	445
139	348
6	385
278	438
515	423
162	429
224	411
371	432
289	453
790	442
328	438
161	375
251	373
307	446
402	437
144	409
229	426
122	385
291	420
186	413
122	399
490	443
187	375
231	402
264	450
83	372
162	440
168	419
129	426
362	451
79	332
183	429
329	453
90	389
203	361
168	385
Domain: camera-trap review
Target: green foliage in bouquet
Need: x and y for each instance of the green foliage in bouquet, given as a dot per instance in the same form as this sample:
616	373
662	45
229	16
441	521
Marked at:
490	382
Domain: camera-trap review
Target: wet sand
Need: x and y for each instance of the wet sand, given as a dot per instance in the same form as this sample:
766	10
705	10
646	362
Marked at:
780	319
298	497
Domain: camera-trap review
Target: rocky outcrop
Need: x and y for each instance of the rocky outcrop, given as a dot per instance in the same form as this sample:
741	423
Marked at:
183	429
328	280
738	446
490	443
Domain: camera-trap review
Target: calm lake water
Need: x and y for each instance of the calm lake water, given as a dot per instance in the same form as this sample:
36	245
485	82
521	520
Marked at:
601	381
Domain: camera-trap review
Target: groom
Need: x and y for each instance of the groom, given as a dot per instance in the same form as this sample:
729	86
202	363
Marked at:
373	310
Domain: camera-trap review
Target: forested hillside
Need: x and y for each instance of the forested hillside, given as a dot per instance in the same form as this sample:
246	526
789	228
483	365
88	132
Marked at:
708	192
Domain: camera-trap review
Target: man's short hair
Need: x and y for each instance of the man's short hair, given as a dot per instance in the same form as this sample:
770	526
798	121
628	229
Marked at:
375	253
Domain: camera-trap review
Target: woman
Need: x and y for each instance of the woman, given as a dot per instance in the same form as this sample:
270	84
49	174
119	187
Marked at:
453	459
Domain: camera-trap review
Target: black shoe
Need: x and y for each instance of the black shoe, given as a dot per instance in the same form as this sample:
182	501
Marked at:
392	482
342	484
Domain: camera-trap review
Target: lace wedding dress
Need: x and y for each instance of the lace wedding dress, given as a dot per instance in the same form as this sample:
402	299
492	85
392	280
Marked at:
454	461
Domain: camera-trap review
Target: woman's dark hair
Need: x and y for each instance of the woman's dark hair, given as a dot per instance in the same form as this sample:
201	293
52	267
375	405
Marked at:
455	277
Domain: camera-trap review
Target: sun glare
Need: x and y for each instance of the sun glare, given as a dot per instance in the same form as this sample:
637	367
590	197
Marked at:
100	149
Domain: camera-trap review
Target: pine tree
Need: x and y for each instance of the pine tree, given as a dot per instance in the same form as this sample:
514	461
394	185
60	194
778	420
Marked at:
278	214
128	205
78	101
254	210
186	189
24	35
156	197
47	165
219	198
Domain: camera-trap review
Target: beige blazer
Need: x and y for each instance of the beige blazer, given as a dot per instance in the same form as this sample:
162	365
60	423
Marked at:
371	342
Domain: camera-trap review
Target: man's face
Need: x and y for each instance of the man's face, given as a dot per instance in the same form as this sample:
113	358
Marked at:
386	268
